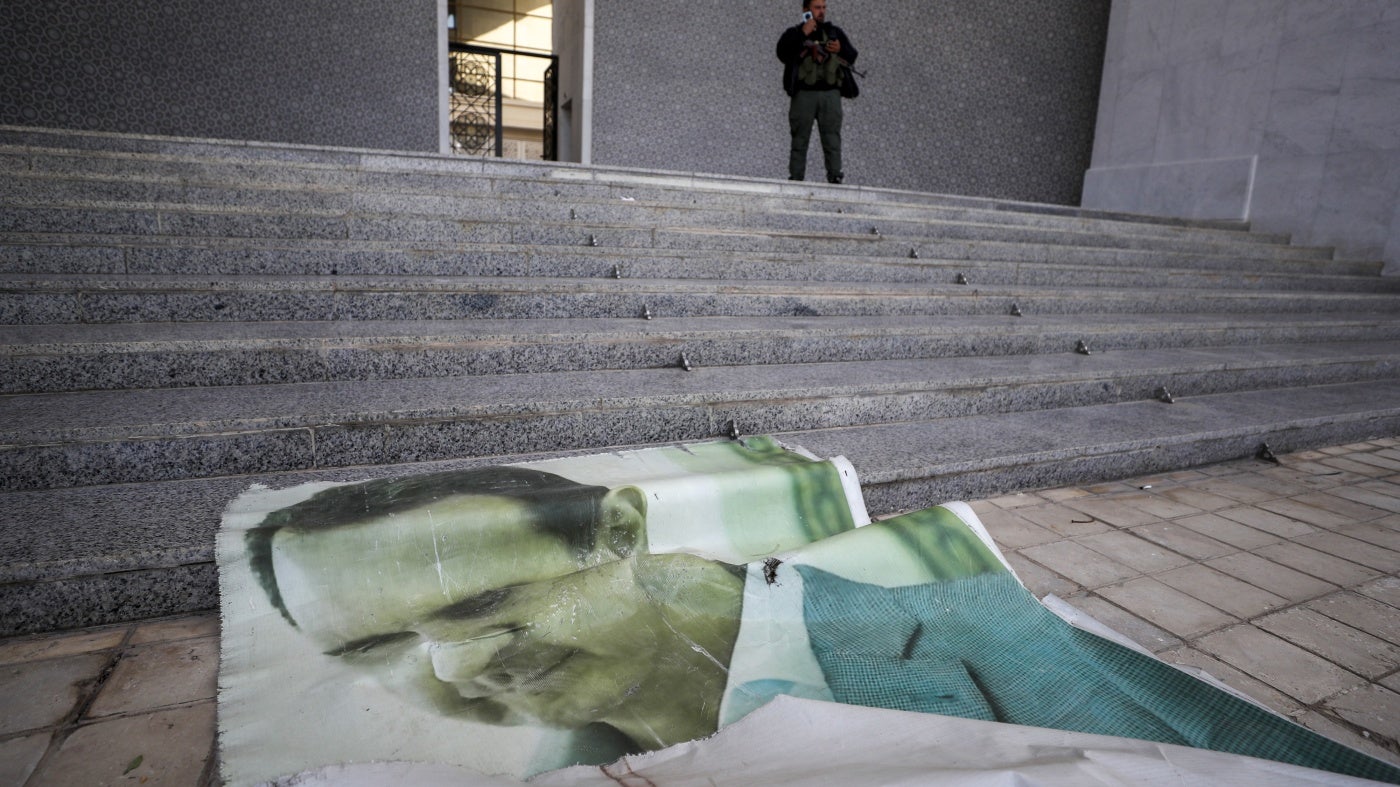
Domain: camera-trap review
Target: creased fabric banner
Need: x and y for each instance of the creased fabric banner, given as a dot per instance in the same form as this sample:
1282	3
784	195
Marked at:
519	619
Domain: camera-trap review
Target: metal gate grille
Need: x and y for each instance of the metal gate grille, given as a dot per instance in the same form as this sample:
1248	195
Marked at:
474	123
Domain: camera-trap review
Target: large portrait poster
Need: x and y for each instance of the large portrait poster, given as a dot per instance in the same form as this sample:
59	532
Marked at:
486	617
514	620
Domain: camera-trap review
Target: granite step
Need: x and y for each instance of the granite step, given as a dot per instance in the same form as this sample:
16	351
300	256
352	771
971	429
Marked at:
51	358
596	253
88	150
86	438
229	259
40	300
550	222
135	185
68	567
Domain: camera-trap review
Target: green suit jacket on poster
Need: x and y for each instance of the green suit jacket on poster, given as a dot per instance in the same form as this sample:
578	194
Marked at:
982	647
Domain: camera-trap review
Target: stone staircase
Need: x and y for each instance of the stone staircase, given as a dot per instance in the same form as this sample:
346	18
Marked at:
182	318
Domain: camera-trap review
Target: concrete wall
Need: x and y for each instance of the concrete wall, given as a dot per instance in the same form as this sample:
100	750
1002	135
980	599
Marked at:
983	97
361	73
573	41
1282	112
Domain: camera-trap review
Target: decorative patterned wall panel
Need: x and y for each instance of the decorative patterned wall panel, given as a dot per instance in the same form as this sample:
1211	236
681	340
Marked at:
993	98
359	73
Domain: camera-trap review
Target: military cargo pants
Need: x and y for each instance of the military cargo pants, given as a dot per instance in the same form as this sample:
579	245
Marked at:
824	107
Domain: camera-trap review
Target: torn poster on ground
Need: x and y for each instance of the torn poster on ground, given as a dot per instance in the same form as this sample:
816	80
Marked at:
519	619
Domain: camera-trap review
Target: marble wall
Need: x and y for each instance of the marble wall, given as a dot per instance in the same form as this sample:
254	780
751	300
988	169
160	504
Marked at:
992	98
360	73
1282	112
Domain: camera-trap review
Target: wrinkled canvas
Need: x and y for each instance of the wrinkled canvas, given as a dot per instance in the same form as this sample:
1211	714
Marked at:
516	620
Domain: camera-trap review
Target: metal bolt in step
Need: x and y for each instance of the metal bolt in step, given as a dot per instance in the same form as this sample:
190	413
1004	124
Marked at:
1266	454
685	363
875	231
1015	310
617	272
592	240
572	214
960	280
1082	348
1163	395
733	431
646	313
913	254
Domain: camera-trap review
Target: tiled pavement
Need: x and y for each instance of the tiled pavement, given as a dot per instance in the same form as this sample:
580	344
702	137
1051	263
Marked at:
1281	580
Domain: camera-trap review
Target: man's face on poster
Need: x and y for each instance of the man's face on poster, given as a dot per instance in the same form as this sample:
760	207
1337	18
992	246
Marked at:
502	621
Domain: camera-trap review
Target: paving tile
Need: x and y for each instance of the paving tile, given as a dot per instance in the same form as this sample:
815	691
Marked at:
1293	509
1375	708
1012	532
1356	512
1347	548
1238	492
1222	591
159	675
187	627
1306	455
1283	665
1392	682
1199	498
1129	625
1361	612
1337	450
1062	494
1279	580
1369	497
1326	477
1378	460
1377	533
1078	563
1349	465
1039	580
52	646
1384	589
1303	478
173	746
1184	540
1268	521
1319	564
38	694
1228	531
1224	469
1133	552
1259	690
18	756
1388	487
1017	500
1337	642
1062	520
1274	481
1156	506
1166	607
1119	512
1109	487
1332	729
1186	476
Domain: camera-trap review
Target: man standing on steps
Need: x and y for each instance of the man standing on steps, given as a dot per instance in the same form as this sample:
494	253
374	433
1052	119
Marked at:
812	52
